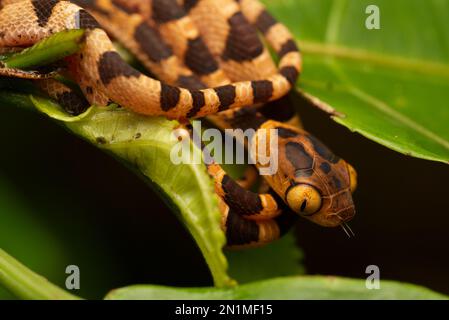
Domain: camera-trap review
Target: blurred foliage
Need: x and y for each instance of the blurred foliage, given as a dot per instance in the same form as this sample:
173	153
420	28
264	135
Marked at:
392	84
26	284
291	288
37	248
280	258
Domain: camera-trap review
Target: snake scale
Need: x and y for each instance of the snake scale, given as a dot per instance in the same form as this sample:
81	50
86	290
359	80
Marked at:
206	58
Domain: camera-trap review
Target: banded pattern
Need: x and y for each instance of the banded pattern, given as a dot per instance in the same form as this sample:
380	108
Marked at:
310	182
100	67
191	45
74	103
251	205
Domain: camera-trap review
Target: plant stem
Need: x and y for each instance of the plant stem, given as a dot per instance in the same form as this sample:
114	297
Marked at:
25	284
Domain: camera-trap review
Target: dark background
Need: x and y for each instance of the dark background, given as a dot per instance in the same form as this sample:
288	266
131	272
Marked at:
120	233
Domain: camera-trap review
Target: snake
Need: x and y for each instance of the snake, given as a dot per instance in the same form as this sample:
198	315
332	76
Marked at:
104	76
206	58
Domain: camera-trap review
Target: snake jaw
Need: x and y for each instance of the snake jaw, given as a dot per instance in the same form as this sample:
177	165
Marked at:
331	219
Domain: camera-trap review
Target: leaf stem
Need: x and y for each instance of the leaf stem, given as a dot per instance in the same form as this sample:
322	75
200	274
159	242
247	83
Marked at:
25	284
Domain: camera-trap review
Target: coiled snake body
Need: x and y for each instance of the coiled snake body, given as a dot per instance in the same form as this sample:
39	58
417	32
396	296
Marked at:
208	58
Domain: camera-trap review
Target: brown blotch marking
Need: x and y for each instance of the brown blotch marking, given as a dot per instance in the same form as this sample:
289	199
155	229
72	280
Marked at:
86	21
289	46
240	231
281	110
43	10
190	82
242	201
198	102
290	73
246	118
298	156
190	4
325	167
73	103
286	133
169	97
91	5
322	150
151	43
262	90
199	59
127	9
227	95
243	42
337	182
112	66
265	21
167	10
89	90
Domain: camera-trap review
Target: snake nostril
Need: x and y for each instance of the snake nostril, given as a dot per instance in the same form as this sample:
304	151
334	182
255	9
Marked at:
346	214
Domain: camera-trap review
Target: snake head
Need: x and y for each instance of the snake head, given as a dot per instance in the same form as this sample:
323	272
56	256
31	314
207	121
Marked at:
325	199
314	183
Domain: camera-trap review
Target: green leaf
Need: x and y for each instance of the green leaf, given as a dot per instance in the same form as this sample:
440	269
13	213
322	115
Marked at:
14	99
391	84
278	259
291	288
55	111
42	250
49	50
26	284
144	144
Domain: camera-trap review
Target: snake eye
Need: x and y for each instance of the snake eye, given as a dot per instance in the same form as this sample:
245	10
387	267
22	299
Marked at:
352	178
304	199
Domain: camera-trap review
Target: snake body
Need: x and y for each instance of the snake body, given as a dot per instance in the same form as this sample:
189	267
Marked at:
191	46
104	76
